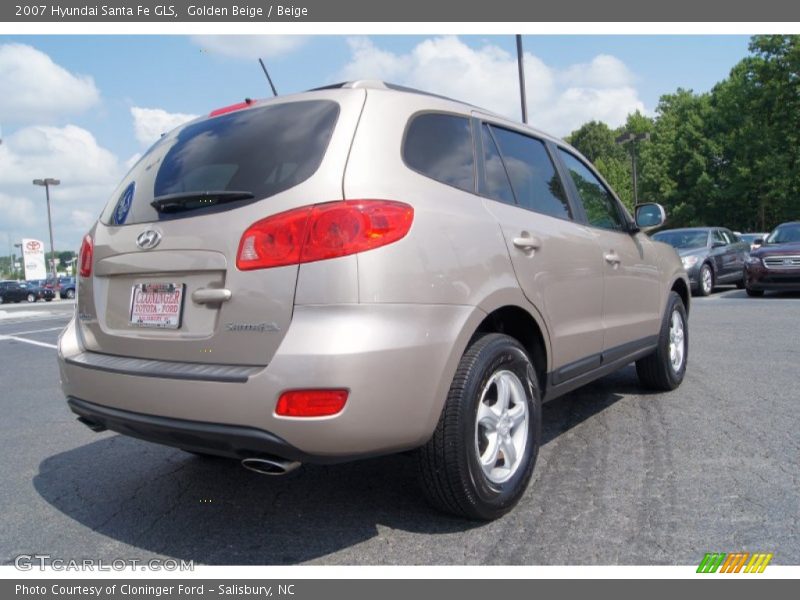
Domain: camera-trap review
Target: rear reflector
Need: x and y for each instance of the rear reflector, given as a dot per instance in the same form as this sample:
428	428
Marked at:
311	403
85	256
323	231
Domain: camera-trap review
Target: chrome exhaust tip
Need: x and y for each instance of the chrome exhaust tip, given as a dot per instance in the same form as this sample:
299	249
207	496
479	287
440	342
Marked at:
270	466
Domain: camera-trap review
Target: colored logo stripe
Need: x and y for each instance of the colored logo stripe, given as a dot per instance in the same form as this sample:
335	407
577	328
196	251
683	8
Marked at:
758	563
711	562
733	563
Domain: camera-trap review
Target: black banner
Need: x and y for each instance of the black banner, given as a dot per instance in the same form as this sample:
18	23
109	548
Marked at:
350	589
331	11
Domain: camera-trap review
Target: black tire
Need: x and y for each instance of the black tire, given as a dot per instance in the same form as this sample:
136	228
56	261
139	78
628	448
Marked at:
31	298
703	289
70	294
754	293
1	300
450	473
656	371
48	299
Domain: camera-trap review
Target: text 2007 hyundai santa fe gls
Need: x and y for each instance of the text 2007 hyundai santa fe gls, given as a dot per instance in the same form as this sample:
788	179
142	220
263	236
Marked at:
366	269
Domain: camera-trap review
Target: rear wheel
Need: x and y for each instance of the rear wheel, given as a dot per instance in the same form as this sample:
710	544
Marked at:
665	368
31	298
481	456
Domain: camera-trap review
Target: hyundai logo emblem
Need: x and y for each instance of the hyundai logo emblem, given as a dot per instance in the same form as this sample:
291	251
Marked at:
148	239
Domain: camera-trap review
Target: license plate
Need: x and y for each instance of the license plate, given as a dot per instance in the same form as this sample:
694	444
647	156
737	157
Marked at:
157	305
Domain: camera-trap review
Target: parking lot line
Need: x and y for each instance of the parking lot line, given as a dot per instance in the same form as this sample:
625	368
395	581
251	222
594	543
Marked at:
35	331
34	342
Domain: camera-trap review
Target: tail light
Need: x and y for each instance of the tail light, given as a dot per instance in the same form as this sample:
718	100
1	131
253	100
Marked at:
85	257
323	231
311	403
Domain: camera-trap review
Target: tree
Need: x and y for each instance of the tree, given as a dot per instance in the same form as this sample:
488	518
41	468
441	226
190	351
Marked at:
676	164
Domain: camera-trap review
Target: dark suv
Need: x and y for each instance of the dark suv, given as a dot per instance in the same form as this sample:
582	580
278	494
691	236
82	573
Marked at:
776	264
15	291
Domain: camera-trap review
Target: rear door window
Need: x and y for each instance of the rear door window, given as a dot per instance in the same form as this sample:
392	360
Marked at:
533	176
259	151
439	146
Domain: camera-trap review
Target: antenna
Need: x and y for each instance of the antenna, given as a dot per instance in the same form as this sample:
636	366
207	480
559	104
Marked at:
274	91
522	80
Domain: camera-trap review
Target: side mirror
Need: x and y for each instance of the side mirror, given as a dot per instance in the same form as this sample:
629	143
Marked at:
718	244
758	242
649	216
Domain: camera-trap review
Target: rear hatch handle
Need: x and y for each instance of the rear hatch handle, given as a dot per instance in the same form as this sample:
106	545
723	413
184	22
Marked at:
211	295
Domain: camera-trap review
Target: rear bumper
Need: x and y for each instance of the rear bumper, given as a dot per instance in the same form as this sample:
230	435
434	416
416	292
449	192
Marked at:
211	438
397	361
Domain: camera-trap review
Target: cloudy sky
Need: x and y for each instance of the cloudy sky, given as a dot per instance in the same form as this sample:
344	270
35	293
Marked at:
82	108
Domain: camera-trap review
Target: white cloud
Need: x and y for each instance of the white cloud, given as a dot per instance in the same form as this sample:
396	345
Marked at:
559	101
250	47
17	210
150	123
69	153
88	174
37	89
604	71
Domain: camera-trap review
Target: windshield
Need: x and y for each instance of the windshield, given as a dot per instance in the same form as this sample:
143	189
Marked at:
226	161
785	234
683	239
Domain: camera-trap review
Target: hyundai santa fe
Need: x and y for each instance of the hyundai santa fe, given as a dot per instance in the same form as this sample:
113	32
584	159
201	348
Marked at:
360	270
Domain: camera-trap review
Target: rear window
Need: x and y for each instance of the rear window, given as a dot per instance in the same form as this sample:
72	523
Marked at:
259	151
439	146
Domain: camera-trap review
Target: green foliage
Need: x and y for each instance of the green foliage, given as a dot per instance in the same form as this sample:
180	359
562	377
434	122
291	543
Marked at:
730	157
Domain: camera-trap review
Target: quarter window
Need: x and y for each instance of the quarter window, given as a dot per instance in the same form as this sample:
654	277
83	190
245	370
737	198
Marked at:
439	146
496	184
600	206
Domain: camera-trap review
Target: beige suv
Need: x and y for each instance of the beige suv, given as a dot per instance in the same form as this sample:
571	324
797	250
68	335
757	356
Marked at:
360	270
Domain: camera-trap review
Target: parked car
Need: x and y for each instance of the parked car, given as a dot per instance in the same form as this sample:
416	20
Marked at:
776	264
754	239
37	290
66	287
12	291
710	255
16	291
360	270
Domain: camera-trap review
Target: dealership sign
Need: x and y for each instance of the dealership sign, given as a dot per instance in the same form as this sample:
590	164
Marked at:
33	259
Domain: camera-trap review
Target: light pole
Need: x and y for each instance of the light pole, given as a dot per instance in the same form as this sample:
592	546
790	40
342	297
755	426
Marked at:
14	259
632	139
47	183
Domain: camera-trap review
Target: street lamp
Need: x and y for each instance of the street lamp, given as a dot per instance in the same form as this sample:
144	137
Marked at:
632	139
47	183
14	259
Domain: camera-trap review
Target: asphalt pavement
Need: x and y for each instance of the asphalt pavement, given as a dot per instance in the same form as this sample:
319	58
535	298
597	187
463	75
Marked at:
623	477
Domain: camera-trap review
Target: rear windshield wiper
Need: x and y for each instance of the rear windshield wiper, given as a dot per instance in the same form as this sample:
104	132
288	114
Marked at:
193	200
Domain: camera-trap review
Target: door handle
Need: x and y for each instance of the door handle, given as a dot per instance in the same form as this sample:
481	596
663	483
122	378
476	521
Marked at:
612	258
527	242
211	295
